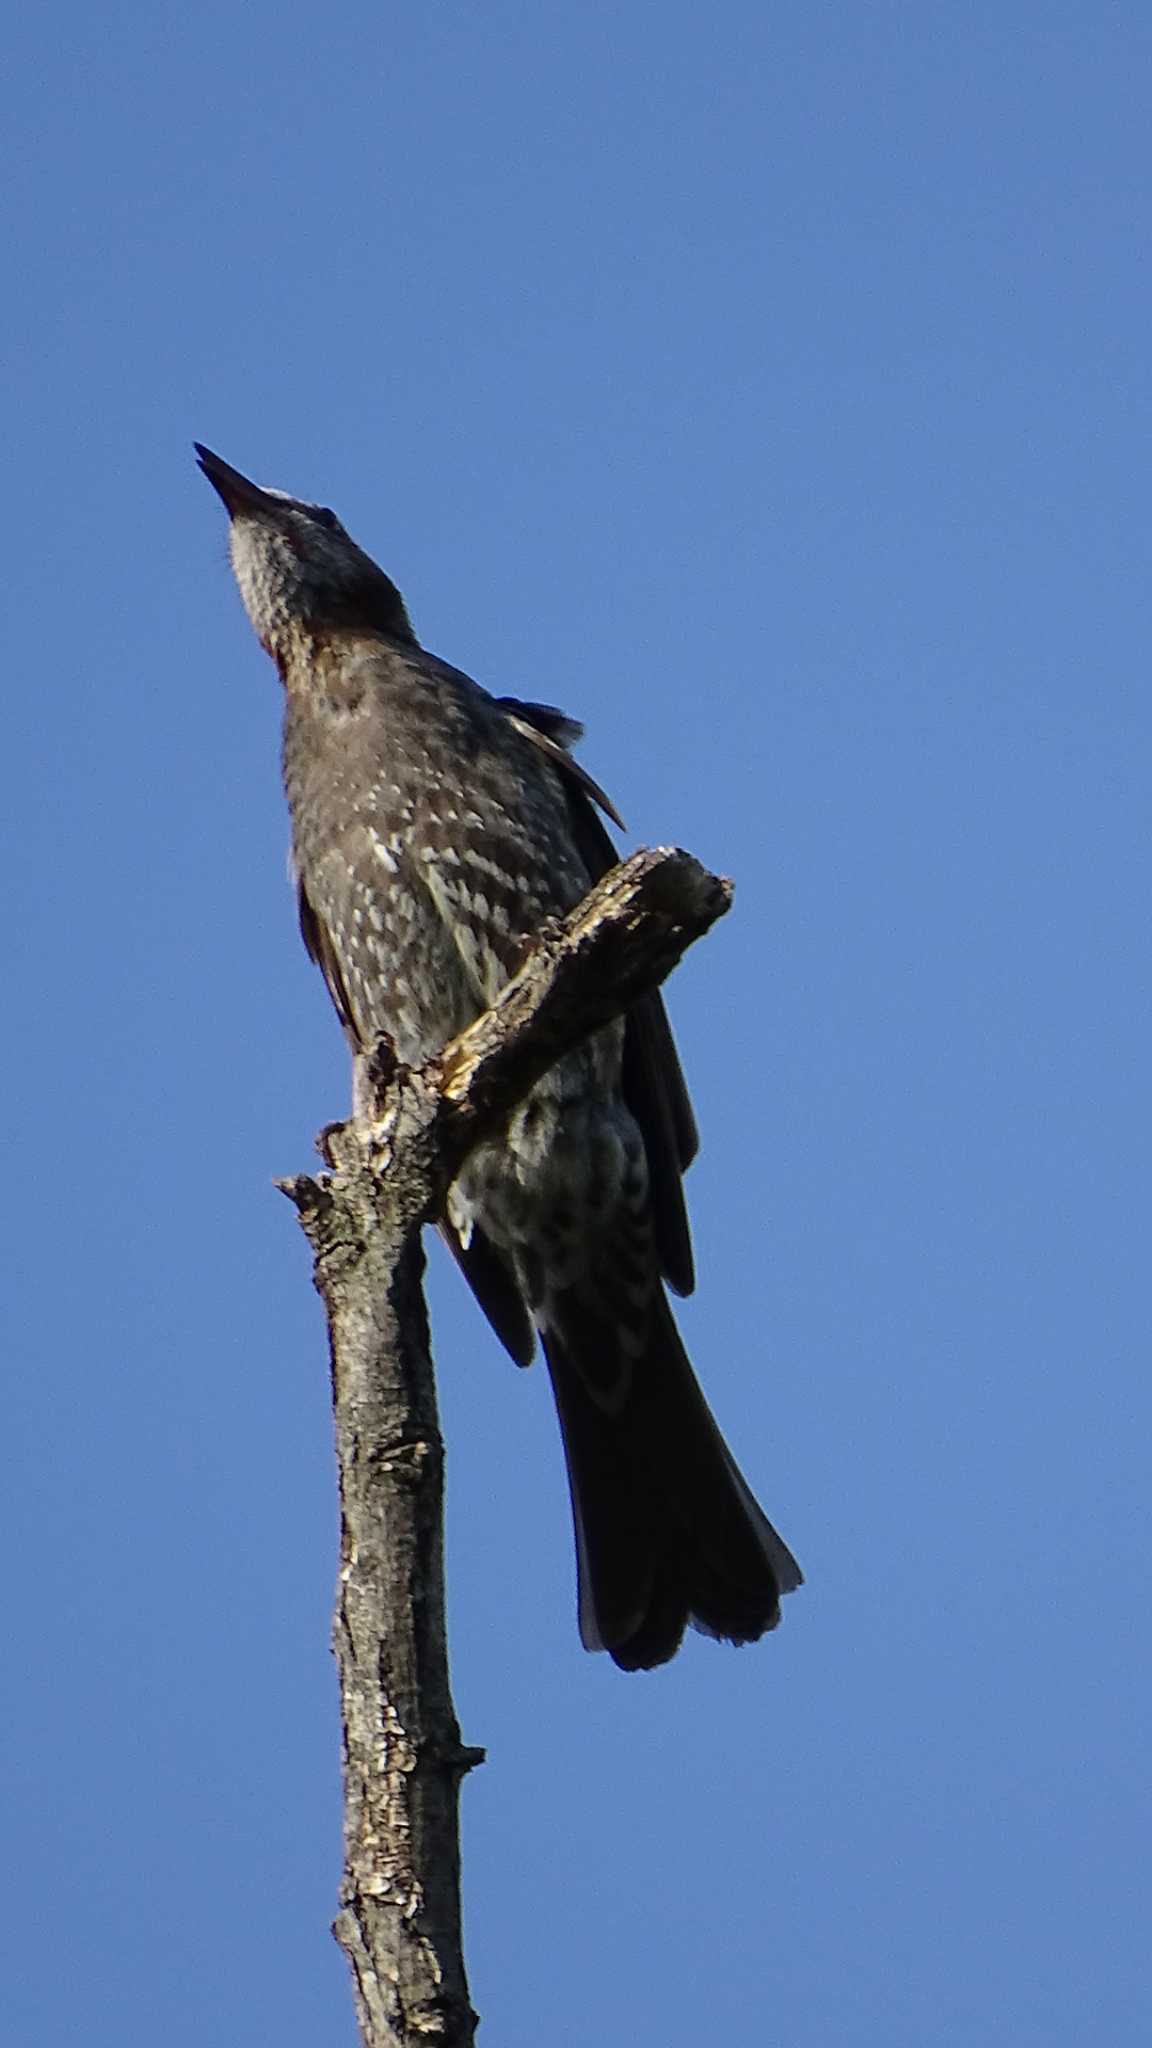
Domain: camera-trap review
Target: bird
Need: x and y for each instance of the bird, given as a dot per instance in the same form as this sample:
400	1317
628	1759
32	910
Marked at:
435	829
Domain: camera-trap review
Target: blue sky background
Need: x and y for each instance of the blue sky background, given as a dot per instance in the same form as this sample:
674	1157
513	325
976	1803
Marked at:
769	386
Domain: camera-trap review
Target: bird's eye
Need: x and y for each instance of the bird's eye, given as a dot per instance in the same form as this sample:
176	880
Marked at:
324	517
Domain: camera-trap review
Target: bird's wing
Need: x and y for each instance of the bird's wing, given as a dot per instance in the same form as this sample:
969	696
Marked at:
553	732
491	1279
652	1078
319	948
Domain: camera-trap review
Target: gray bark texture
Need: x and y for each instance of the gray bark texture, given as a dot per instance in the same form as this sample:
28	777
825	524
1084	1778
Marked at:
399	1921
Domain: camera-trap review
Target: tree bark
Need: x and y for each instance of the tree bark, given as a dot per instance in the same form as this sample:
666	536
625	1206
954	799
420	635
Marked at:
399	1921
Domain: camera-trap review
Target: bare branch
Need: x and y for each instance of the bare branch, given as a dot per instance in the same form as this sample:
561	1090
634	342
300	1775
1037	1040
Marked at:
399	1921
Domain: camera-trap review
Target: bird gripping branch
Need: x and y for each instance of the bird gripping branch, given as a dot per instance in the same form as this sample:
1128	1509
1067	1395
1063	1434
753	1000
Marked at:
435	830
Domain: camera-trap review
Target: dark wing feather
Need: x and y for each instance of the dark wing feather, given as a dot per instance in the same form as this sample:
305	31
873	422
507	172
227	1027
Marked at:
546	718
652	1078
319	948
491	1281
553	733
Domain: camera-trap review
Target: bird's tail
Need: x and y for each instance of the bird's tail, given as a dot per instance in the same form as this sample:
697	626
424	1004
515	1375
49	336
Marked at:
668	1531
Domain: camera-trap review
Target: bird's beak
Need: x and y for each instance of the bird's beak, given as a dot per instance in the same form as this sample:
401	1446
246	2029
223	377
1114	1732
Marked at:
239	493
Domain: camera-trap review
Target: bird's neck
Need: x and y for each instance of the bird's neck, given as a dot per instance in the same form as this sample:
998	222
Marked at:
331	667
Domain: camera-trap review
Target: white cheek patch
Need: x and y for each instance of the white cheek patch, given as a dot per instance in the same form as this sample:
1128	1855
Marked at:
288	569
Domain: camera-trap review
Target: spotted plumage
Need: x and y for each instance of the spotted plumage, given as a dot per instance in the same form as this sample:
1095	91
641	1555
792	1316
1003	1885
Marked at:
435	830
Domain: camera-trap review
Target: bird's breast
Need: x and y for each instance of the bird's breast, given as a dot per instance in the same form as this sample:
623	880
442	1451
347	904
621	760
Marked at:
430	855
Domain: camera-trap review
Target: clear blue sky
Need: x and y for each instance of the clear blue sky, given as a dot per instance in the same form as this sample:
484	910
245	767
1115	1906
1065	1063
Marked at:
768	385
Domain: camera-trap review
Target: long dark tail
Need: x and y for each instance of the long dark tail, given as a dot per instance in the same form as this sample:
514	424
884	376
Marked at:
667	1530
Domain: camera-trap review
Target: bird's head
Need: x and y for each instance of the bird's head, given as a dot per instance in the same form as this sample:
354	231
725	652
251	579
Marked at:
301	576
